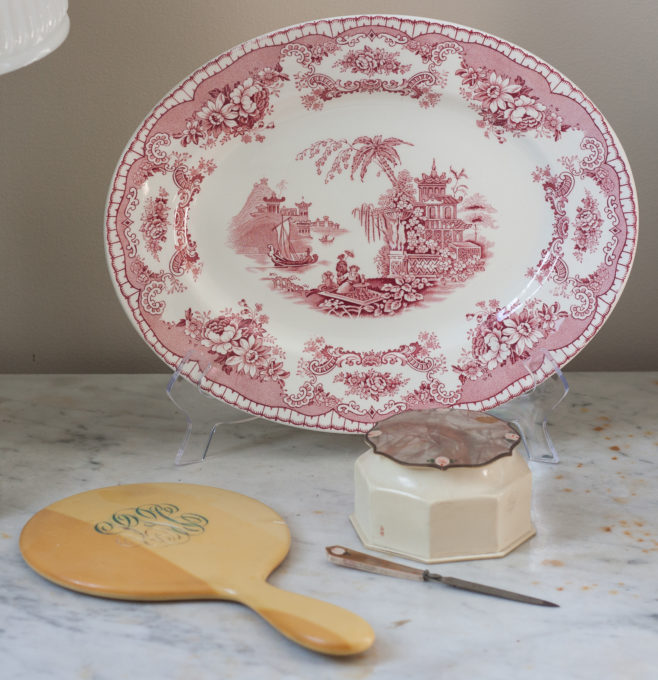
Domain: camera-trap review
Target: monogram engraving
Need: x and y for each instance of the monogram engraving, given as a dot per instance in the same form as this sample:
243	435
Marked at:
154	525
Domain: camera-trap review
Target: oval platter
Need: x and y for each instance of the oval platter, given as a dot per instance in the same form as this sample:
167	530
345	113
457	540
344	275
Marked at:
358	216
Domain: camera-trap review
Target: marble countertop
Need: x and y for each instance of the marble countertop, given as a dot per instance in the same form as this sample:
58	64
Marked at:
595	552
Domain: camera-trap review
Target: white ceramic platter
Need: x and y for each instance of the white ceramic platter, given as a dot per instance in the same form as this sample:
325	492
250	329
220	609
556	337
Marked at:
358	216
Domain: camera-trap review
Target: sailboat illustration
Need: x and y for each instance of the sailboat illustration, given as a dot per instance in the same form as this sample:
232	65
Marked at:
284	254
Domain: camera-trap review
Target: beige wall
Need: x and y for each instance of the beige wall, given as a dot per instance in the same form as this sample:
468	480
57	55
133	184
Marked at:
65	120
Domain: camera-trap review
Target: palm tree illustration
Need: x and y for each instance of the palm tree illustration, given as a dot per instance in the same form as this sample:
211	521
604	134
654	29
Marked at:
381	151
357	157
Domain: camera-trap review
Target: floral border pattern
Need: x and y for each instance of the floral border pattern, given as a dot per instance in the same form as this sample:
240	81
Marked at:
238	341
506	107
319	87
238	110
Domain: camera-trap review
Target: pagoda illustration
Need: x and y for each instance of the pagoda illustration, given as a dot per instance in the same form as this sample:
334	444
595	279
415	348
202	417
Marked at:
273	204
438	215
267	227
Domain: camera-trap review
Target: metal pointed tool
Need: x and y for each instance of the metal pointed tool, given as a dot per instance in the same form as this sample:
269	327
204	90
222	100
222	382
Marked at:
345	557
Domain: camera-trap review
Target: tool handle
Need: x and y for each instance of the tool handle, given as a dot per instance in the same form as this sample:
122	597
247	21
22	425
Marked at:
345	557
315	624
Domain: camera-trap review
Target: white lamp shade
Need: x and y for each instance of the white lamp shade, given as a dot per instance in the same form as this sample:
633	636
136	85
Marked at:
30	30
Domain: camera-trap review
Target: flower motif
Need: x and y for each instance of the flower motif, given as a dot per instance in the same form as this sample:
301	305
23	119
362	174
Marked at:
248	356
442	461
219	114
525	112
312	102
552	120
421	397
366	63
587	220
155	228
602	178
522	332
154	221
472	371
193	132
268	75
445	260
371	384
376	384
430	340
496	349
371	61
416	240
193	325
548	315
273	371
247	96
496	93
429	98
220	336
470	76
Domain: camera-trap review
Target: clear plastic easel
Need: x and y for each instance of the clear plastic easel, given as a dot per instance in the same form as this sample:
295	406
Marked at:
529	413
189	391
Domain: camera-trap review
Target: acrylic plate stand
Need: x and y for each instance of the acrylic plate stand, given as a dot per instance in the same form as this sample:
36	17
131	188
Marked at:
203	413
529	413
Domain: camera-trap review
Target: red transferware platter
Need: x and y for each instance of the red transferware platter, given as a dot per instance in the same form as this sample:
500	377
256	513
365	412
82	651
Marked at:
358	216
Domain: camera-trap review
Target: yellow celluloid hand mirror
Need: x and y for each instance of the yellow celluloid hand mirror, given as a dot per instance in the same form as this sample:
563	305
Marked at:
183	542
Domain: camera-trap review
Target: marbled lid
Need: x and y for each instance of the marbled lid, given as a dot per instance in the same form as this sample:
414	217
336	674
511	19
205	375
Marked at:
443	438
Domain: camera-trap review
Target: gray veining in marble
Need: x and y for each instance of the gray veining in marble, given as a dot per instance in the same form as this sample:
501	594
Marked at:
595	550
